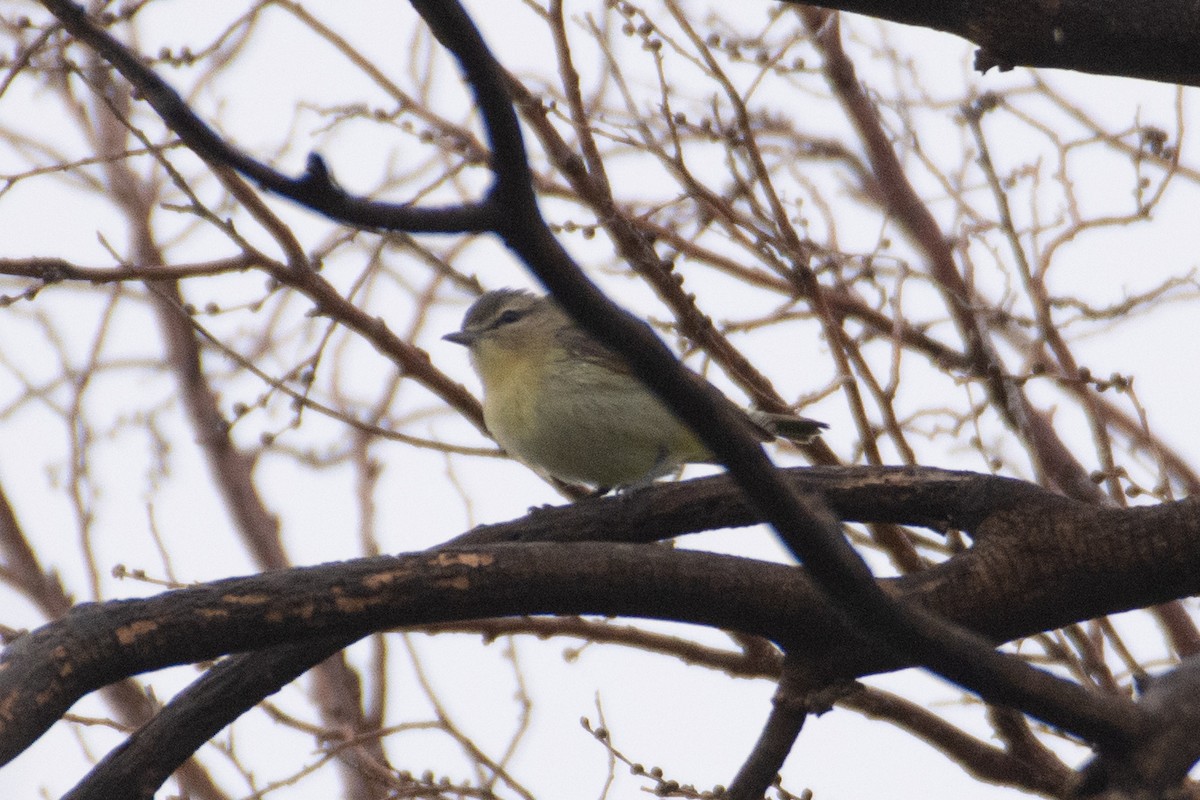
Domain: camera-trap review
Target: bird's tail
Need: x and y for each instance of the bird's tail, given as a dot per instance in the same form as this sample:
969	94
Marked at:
787	426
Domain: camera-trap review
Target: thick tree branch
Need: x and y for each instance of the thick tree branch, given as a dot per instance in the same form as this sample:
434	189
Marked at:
144	761
790	709
42	587
1158	41
1102	561
923	496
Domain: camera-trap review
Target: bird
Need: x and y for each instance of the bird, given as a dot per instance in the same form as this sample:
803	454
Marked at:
568	407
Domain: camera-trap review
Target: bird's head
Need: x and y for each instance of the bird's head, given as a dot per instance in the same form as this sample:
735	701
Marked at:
508	322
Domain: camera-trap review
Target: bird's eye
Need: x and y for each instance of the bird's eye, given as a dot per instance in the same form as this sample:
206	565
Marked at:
508	317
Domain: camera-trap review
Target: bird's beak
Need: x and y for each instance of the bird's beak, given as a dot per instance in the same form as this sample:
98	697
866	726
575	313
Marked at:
465	338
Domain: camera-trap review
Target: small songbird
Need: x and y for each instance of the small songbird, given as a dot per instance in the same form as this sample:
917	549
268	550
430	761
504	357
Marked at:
565	405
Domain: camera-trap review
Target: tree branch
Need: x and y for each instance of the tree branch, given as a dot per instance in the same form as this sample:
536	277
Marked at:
315	189
1158	41
1103	561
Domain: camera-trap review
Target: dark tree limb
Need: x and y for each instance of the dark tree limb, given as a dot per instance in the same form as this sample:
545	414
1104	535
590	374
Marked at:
137	767
47	670
790	707
922	496
315	189
779	735
1102	561
1157	40
935	498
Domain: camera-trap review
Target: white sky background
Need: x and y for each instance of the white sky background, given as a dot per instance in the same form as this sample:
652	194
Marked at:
696	725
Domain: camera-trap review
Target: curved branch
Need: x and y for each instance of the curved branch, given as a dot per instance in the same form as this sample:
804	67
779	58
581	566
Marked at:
1156	41
315	189
143	762
47	670
1103	560
925	496
789	710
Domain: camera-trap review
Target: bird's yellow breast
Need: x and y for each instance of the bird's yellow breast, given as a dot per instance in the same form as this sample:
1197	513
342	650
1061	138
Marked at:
578	420
512	383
